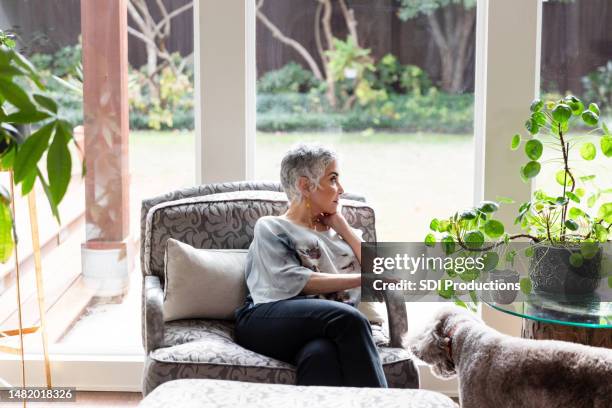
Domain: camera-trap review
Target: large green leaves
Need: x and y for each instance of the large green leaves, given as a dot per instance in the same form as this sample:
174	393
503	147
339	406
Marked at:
59	165
561	113
531	169
534	149
588	151
605	212
31	151
494	228
6	231
606	145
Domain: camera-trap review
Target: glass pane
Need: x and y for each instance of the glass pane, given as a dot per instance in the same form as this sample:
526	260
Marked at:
374	82
577	60
155	156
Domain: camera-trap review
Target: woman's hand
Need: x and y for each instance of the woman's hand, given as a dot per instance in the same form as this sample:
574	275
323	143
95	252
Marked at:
342	227
335	221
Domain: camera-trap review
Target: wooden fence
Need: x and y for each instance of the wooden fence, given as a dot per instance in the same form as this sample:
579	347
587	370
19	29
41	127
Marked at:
576	37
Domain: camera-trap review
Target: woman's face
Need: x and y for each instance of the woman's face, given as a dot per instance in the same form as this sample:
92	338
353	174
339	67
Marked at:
325	198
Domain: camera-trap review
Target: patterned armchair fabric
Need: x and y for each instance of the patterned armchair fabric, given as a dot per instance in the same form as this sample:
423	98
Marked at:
230	394
223	216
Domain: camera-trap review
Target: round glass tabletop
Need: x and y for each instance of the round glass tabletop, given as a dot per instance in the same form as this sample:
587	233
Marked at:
580	311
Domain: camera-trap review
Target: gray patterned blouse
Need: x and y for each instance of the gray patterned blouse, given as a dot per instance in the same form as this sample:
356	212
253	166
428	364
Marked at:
283	256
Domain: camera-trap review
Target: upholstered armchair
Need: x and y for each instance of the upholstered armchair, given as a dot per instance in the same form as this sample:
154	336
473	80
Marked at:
223	216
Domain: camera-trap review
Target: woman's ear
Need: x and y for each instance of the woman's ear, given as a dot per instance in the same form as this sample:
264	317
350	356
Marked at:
304	185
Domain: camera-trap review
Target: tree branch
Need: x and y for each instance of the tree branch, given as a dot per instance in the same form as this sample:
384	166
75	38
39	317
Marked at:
349	18
173	14
277	33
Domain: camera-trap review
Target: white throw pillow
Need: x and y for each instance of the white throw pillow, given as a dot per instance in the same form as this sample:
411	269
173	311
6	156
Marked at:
203	283
210	284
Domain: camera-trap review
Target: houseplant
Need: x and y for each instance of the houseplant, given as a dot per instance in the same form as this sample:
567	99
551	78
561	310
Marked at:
565	229
24	106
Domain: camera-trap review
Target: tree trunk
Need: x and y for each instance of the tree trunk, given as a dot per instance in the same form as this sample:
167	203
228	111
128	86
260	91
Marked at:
454	41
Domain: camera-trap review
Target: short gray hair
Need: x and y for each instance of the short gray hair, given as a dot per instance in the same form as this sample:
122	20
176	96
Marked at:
307	160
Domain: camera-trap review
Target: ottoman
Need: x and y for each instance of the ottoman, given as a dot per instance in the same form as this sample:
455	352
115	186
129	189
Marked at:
192	393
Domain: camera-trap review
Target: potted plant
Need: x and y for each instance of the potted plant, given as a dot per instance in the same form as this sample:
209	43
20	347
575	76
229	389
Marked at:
565	228
24	106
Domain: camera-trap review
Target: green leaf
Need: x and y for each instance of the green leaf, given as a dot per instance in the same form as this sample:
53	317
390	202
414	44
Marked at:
587	178
488	206
534	149
31	151
28	182
433	225
606	145
468	215
59	166
572	197
590	118
448	293
580	192
531	169
47	103
575	104
27	116
588	151
592	200
490	261
576	260
473	239
6	232
448	243
561	113
536	105
16	95
526	286
529	251
575	213
532	126
430	240
594	108
494	228
47	191
571	225
562	178
589	250
516	142
504	200
605	212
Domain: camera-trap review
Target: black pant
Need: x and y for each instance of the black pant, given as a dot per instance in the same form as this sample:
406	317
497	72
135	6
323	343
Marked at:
330	342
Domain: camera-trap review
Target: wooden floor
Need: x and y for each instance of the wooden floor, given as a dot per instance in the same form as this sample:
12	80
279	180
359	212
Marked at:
97	399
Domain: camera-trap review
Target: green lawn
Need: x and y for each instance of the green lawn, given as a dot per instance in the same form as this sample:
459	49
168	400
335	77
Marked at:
408	178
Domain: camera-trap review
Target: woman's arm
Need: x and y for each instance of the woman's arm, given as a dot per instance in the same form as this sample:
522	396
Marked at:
342	227
321	283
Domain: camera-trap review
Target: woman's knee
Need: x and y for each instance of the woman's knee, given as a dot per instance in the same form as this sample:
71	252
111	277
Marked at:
320	349
349	317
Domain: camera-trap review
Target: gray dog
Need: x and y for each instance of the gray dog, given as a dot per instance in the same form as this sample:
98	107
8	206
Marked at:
499	371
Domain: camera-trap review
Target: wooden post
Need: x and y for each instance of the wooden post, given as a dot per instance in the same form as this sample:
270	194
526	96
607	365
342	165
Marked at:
105	108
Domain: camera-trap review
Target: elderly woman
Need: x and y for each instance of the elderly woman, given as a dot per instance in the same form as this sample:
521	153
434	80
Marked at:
303	275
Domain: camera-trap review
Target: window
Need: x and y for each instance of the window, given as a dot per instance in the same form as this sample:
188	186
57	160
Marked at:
386	85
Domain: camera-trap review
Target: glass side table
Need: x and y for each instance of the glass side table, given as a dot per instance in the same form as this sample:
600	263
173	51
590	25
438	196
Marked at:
580	319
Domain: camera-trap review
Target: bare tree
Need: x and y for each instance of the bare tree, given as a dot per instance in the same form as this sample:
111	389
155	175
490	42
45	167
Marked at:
323	19
154	34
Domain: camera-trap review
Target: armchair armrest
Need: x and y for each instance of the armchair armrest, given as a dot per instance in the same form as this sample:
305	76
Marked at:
153	313
397	317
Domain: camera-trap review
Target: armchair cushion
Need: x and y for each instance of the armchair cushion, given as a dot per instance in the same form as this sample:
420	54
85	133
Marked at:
203	283
199	348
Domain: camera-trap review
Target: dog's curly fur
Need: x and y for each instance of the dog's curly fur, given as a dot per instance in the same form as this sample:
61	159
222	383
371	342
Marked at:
499	371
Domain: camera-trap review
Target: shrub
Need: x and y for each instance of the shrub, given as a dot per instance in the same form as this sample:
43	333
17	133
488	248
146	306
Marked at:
290	78
62	63
169	105
433	111
598	87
